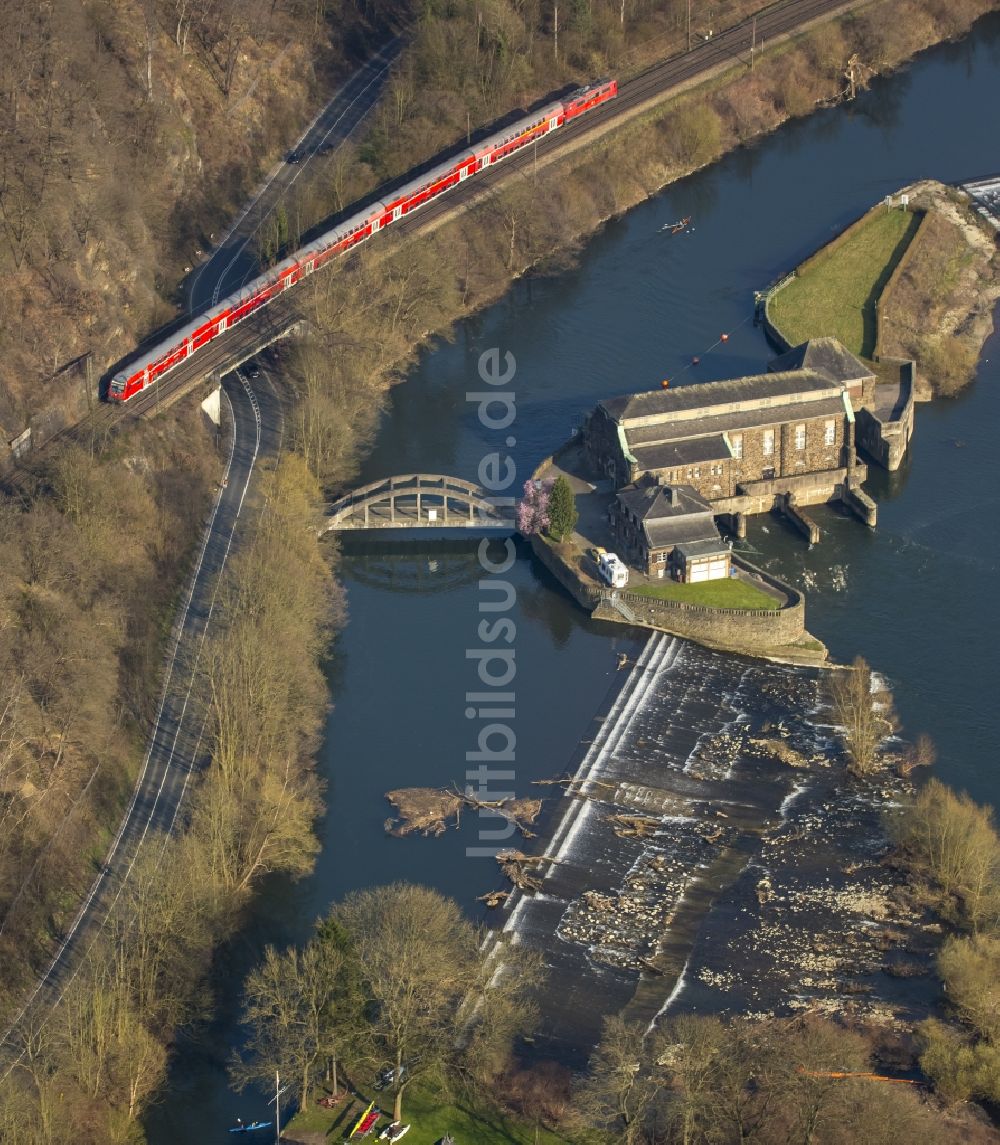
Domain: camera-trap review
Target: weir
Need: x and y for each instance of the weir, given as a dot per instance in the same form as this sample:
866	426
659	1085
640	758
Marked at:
675	839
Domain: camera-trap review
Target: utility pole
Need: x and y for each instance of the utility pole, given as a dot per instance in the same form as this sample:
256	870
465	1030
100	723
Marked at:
689	25
753	41
555	32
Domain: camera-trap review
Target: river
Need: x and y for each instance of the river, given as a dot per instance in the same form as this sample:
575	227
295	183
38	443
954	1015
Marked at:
914	596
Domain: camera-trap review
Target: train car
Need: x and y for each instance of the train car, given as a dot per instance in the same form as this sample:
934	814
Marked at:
588	97
162	357
347	235
497	147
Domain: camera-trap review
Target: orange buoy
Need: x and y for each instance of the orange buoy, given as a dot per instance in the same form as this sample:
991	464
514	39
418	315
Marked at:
665	384
723	337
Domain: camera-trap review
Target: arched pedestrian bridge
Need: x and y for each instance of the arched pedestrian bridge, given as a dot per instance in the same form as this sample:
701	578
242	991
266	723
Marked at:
421	500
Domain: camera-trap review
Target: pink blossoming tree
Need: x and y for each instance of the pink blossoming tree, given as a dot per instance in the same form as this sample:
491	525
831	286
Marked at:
533	508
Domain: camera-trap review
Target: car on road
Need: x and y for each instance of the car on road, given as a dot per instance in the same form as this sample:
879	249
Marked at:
293	156
253	370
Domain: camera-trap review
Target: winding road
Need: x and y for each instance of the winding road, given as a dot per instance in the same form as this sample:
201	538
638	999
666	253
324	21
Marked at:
176	744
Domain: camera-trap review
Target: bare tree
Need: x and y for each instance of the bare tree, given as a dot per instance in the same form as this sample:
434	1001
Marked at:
287	1006
857	709
431	999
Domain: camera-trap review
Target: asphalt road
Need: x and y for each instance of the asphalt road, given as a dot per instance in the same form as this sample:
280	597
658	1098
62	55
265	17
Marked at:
234	260
177	746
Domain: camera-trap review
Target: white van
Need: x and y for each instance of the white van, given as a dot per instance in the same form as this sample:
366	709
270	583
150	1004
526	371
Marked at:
612	570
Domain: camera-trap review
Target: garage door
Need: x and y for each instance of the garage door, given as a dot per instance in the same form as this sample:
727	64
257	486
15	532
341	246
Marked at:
707	570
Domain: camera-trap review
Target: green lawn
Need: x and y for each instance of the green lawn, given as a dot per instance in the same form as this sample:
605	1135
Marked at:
836	294
430	1121
729	593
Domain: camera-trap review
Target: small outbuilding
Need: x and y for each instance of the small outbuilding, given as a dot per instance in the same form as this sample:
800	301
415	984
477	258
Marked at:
669	531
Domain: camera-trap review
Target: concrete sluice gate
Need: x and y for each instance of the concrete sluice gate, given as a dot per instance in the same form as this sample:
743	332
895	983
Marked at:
702	852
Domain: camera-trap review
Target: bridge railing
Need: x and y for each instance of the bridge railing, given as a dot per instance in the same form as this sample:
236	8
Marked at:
463	502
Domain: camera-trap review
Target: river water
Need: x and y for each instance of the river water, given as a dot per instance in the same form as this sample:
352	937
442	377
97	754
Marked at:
915	597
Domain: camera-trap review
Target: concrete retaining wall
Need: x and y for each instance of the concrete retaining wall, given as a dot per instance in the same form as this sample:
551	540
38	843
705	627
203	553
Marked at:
807	489
858	501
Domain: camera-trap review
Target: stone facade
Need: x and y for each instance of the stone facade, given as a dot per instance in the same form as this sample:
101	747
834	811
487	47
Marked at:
773	431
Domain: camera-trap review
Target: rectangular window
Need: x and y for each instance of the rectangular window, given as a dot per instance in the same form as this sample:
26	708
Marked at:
768	442
830	433
800	437
736	441
697	471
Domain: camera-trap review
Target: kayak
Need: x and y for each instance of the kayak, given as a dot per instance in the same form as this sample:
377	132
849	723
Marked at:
251	1127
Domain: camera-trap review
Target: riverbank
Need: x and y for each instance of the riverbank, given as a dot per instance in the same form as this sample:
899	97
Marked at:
418	287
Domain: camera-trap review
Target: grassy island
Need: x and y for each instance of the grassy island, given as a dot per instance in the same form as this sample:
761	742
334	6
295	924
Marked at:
836	292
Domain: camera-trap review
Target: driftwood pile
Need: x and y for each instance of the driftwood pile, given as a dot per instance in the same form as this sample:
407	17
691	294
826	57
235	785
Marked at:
424	809
514	865
634	826
429	810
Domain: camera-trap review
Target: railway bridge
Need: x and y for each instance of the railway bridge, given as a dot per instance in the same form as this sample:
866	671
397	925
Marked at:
420	500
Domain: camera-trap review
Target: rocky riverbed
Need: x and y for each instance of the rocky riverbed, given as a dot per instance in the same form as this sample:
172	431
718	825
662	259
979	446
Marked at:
713	855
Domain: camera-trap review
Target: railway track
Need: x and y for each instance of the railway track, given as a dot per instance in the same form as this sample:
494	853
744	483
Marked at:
727	48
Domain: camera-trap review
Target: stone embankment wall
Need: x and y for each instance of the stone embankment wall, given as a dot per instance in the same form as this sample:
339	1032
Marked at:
887	440
807	489
755	631
774	335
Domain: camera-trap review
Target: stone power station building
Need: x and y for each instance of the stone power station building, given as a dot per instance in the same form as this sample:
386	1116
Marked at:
738	447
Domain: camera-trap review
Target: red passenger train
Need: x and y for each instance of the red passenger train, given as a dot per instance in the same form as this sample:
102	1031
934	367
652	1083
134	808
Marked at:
200	331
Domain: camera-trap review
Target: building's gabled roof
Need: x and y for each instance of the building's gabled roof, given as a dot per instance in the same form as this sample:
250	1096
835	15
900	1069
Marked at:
670	514
825	356
688	401
729	423
651	502
688	451
706	548
668	533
